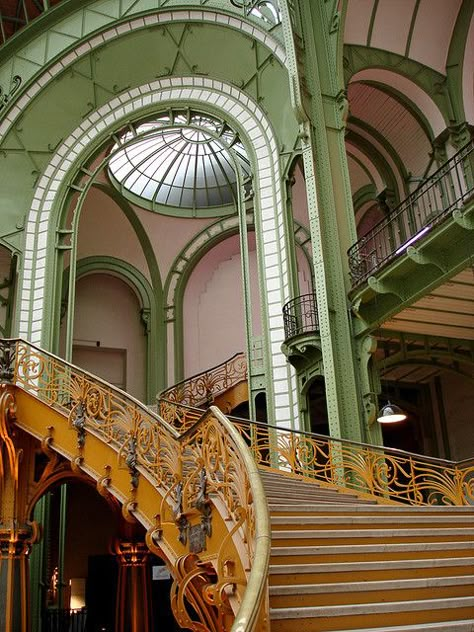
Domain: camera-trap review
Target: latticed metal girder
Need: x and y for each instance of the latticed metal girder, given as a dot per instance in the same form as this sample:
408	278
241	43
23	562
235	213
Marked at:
15	14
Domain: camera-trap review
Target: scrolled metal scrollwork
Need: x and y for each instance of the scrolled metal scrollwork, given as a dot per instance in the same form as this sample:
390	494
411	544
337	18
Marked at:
5	97
7	356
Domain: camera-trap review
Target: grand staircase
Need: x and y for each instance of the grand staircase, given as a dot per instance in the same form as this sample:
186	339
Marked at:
343	563
344	536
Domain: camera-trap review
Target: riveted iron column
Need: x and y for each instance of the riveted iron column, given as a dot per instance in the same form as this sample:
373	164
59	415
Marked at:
320	106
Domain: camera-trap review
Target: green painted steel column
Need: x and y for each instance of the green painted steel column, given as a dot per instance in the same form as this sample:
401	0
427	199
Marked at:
321	110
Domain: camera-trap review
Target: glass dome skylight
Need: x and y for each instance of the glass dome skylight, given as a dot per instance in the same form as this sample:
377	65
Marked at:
181	159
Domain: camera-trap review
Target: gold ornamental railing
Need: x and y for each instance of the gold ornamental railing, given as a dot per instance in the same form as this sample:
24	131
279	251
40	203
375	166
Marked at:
202	388
386	474
207	466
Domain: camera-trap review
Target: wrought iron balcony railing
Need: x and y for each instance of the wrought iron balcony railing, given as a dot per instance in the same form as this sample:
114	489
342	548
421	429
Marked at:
444	191
300	316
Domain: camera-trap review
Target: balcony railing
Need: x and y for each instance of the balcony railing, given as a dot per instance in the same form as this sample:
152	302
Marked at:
300	316
444	191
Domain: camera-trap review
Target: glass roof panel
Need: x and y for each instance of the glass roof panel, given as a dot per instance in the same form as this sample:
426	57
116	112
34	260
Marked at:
180	159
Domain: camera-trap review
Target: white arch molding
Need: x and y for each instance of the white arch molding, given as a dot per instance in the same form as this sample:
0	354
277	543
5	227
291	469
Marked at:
242	113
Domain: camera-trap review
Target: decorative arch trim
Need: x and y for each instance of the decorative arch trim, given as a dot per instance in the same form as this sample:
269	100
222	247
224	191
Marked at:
242	113
140	285
84	44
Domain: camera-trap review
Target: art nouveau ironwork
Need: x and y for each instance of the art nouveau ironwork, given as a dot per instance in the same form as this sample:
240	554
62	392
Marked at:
424	209
189	468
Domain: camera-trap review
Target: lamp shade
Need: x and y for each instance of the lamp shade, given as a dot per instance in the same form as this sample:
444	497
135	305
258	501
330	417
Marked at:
390	414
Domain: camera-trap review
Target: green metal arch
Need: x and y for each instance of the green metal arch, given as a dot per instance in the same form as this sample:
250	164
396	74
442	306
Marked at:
365	194
419	360
455	60
185	271
376	158
357	58
385	144
401	98
149	309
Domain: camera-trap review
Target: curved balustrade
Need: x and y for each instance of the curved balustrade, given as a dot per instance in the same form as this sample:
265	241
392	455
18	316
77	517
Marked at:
200	389
387	474
197	474
300	316
444	191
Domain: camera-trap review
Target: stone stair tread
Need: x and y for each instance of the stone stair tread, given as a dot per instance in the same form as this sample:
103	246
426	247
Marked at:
464	625
364	533
323	549
436	510
338	567
379	585
320	519
371	608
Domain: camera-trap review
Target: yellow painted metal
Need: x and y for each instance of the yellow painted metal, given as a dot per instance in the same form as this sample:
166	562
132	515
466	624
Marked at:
204	478
390	476
375	472
16	532
205	387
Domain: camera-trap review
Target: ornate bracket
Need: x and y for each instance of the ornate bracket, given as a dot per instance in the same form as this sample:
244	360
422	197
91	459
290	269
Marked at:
5	97
104	481
7	355
463	219
180	518
203	505
196	584
131	461
422	259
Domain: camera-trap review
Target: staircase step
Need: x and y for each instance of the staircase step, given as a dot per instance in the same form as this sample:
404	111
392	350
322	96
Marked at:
300	537
374	520
368	552
360	509
342	563
350	617
302	595
466	625
369	571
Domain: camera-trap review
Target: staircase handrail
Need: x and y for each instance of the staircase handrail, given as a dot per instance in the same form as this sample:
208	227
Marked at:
387	474
373	471
201	388
208	464
414	216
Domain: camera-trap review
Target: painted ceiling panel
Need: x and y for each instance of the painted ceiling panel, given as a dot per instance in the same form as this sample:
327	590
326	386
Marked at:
441	313
358	176
432	32
394	122
392	25
358	19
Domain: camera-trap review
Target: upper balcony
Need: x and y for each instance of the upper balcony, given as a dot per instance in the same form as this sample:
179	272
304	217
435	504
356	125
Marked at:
445	191
425	241
301	322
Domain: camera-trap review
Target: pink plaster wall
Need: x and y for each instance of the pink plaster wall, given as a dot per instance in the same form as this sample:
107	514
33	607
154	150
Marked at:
104	230
108	311
213	307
